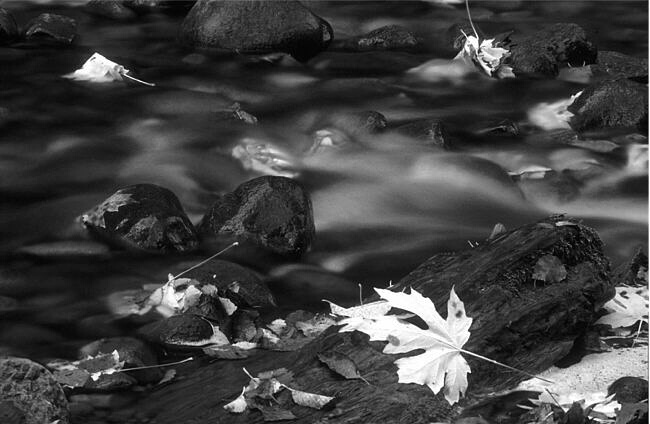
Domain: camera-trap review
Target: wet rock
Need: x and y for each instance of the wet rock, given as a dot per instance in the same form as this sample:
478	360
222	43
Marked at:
142	217
33	391
390	37
256	27
543	52
430	132
134	353
629	389
8	27
613	65
610	104
272	213
240	284
52	27
179	331
110	9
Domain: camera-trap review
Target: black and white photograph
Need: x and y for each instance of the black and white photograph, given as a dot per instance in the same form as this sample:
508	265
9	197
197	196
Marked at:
324	211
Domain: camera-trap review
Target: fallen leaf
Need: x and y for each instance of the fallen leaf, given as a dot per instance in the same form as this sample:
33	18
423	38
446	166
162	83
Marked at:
441	364
74	378
368	310
629	305
315	326
341	364
99	69
486	55
310	400
549	269
227	304
238	405
278	326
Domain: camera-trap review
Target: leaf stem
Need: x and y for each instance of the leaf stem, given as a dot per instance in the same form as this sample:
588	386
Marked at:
203	262
469	16
503	365
146	367
124	74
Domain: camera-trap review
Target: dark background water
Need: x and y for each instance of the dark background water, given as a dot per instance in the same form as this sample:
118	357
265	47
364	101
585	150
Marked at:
380	210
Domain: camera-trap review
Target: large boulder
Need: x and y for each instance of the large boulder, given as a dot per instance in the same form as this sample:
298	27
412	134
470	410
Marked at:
610	104
30	394
544	52
272	213
256	26
614	65
51	27
142	217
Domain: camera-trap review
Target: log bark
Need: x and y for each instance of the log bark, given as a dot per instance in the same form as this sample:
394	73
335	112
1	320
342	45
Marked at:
524	323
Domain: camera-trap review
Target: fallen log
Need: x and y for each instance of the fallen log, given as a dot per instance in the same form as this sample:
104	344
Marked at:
518	320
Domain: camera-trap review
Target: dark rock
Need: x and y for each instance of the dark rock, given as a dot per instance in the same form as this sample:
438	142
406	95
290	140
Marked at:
113	9
134	353
10	414
390	37
543	52
50	26
8	27
633	272
249	290
613	65
610	104
273	213
430	132
178	331
256	27
142	217
629	389
33	391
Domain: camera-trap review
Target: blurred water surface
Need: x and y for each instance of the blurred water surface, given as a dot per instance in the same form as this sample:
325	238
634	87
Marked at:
382	205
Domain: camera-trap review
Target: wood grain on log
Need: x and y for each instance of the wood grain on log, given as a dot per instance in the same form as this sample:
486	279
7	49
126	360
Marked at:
524	323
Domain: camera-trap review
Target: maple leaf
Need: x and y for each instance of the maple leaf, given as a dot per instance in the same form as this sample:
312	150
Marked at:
441	364
628	306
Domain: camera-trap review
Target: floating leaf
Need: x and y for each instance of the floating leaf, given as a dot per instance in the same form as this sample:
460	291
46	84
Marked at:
369	310
441	364
315	326
549	269
341	364
310	400
99	69
629	305
72	378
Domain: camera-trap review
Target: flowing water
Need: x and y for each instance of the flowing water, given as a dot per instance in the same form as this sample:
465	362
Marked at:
382	204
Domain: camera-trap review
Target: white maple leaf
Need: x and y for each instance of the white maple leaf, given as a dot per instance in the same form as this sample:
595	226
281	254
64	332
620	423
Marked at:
629	305
441	364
